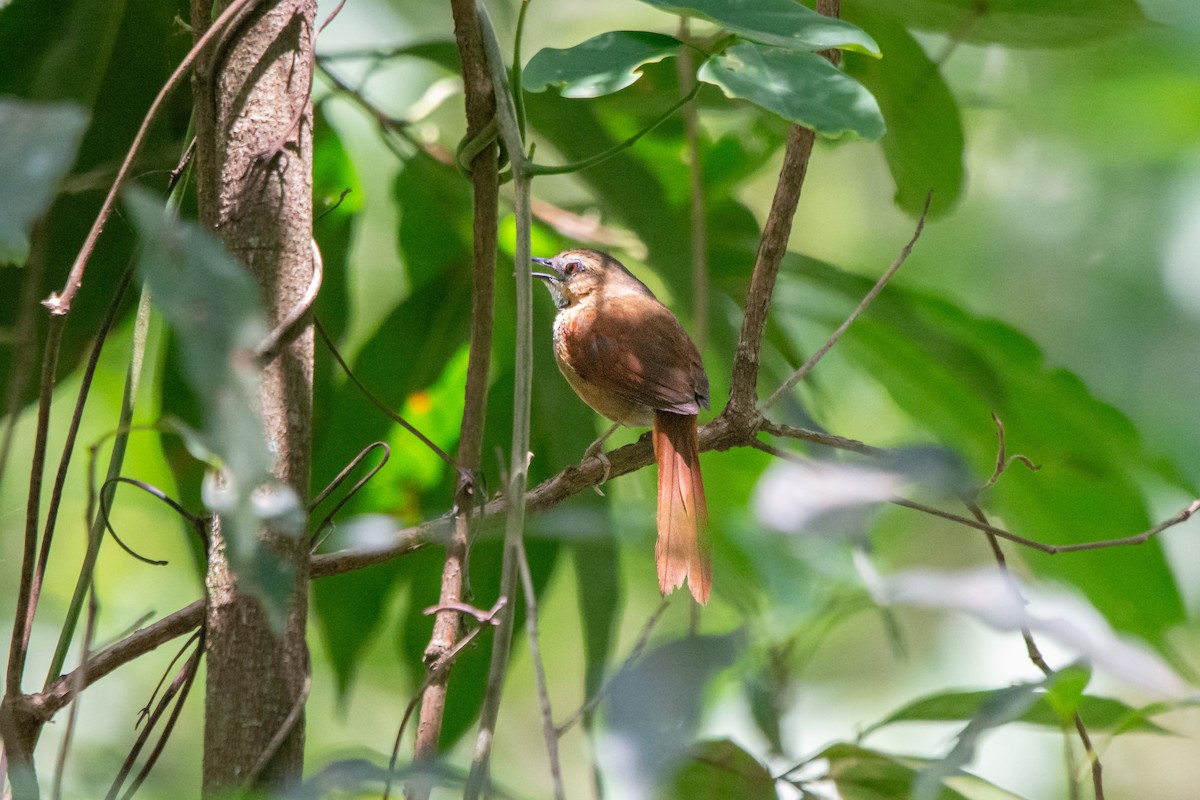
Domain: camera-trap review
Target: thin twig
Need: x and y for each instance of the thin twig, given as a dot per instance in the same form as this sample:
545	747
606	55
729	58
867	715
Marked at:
821	438
318	531
178	691
1055	549
868	298
686	69
290	326
1031	647
539	669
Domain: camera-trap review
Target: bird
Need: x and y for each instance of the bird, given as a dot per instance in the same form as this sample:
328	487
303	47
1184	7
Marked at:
629	358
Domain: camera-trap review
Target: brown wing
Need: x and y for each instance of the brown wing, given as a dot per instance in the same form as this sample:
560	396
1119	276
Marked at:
636	347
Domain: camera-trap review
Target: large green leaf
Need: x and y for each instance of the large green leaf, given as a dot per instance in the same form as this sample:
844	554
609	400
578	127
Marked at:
1017	23
783	23
924	140
213	305
1100	714
950	370
798	85
602	65
38	147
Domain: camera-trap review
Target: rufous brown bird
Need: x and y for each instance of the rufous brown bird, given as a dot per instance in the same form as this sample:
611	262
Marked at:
626	355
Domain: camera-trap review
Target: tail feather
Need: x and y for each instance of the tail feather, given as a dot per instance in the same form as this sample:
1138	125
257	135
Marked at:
683	550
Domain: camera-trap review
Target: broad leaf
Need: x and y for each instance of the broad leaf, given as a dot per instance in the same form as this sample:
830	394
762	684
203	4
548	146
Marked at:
37	149
924	141
783	23
800	86
602	65
1017	23
1100	714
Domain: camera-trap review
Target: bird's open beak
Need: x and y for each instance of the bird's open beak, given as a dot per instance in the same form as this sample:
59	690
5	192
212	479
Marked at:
546	276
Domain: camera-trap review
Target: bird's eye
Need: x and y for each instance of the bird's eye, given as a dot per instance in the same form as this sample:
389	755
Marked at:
571	267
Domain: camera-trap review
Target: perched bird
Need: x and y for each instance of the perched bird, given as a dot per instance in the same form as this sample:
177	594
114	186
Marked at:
628	358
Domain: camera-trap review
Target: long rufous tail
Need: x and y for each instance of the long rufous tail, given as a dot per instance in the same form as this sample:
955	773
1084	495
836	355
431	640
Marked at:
683	549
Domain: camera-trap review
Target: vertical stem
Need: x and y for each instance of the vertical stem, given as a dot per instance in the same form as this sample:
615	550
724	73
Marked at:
523	381
480	111
743	393
549	733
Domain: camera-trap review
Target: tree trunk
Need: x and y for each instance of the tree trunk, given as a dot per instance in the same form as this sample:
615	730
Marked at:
254	185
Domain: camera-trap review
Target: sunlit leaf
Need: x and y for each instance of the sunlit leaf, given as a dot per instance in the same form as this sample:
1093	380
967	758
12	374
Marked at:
782	23
602	65
800	86
37	149
1017	23
924	141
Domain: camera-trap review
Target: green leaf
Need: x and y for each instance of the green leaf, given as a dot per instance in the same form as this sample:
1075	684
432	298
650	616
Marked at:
602	65
1016	23
782	23
800	86
924	141
719	769
37	149
195	284
1100	714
